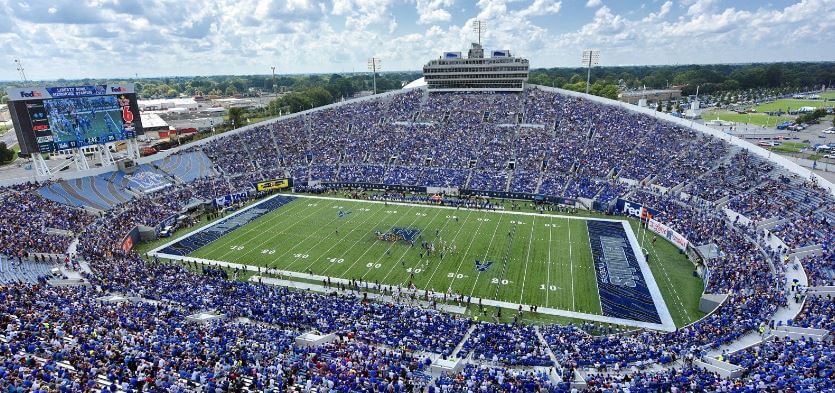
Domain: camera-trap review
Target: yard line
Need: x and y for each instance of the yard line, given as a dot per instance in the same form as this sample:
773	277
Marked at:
367	249
274	260
528	261
670	282
450	218
345	221
380	258
247	231
475	282
354	228
243	231
548	281
571	262
438	265
464	257
391	269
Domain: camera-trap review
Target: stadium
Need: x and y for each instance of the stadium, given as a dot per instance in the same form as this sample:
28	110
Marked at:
473	232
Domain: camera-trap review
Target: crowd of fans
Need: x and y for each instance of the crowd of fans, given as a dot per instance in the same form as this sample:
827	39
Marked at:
64	339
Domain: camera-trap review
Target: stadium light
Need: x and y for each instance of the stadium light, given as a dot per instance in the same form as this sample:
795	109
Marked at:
273	68
19	66
374	66
591	57
478	27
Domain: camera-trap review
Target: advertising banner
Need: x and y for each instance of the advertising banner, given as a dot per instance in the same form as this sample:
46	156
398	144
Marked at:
635	209
269	185
229	199
668	233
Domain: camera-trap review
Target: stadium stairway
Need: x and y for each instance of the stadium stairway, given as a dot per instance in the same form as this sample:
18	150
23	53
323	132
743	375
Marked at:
509	180
463	340
548	349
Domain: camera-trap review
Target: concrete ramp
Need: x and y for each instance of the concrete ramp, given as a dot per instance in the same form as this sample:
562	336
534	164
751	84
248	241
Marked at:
797	333
724	369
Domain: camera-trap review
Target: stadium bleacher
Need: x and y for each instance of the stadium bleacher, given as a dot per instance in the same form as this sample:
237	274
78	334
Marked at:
186	166
64	339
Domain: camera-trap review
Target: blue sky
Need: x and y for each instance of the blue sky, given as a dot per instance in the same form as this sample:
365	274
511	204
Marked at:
111	38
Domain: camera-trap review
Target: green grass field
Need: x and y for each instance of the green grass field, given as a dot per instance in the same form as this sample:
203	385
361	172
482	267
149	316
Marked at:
549	261
785	104
760	119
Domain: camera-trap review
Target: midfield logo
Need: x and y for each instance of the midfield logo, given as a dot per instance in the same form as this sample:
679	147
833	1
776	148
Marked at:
482	266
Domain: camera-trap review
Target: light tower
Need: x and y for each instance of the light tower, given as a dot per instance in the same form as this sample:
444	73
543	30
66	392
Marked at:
478	27
374	66
591	57
19	66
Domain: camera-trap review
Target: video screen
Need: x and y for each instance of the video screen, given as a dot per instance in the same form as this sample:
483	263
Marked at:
48	119
83	121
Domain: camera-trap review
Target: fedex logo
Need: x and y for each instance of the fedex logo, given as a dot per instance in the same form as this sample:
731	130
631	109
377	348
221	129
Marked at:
635	210
119	89
31	94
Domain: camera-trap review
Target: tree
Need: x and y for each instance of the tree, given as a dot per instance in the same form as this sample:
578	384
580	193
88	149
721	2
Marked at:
6	155
235	116
811	116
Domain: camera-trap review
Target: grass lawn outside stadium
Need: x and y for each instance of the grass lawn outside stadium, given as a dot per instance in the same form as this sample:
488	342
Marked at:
541	259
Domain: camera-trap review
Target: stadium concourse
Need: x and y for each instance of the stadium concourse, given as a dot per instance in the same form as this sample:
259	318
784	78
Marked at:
129	329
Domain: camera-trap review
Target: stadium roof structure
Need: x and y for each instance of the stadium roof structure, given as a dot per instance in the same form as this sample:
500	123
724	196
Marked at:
419	82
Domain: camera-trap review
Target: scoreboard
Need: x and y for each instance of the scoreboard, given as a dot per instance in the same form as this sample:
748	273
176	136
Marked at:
48	119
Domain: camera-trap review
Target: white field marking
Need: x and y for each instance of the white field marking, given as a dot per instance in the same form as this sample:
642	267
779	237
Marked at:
669	281
241	232
326	227
156	251
247	231
318	197
399	260
489	246
528	260
274	260
464	257
438	264
455	208
548	280
379	260
418	264
571	262
657	299
368	248
594	267
345	220
325	255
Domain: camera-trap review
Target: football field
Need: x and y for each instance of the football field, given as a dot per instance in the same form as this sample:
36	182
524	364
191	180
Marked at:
525	258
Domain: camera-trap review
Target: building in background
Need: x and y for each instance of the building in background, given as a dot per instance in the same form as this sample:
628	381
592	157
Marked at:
499	72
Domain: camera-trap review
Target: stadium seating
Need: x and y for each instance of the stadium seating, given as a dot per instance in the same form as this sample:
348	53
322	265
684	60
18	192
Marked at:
64	339
186	166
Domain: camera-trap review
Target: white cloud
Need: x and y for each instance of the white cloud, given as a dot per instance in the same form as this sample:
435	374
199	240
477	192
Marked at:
100	38
433	11
541	7
594	3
